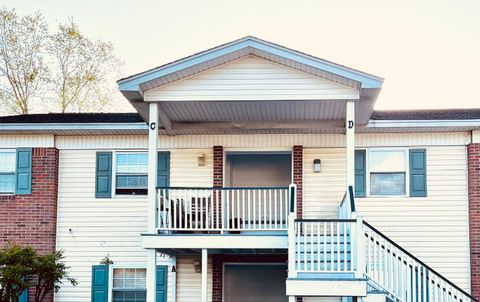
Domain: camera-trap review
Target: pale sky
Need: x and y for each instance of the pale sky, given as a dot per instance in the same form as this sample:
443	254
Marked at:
427	51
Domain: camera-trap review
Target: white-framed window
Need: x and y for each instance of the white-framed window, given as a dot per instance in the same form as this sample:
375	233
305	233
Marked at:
131	173
7	171
129	285
387	172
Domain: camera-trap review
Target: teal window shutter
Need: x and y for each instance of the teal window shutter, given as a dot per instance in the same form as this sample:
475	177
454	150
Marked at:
163	169
24	296
100	283
23	182
103	176
418	173
161	286
360	173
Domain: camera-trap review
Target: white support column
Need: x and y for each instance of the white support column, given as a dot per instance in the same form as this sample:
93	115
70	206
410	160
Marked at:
152	198
151	274
152	165
350	142
204	275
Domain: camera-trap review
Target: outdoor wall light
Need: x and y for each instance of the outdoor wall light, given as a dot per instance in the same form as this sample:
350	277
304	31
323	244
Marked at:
316	165
201	160
197	265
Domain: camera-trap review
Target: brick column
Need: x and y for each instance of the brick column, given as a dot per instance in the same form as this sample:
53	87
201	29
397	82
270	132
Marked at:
473	151
298	177
217	181
32	219
218	166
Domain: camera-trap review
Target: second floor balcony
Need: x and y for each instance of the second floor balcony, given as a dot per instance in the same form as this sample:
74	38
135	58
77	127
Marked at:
224	210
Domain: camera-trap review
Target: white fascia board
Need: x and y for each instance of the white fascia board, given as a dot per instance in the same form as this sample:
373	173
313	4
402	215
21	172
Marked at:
474	123
73	126
326	288
215	241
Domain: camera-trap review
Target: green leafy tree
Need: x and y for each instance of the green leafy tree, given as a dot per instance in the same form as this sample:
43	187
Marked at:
80	70
49	271
16	271
23	267
22	65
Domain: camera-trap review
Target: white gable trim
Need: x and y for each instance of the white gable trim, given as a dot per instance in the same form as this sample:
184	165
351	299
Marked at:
250	43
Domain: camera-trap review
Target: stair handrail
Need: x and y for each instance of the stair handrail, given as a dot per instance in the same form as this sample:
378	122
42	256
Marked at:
426	266
346	207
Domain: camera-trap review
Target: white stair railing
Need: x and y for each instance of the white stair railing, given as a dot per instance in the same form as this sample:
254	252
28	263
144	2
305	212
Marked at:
403	276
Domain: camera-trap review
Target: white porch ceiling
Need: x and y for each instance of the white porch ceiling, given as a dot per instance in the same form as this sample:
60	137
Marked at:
254	111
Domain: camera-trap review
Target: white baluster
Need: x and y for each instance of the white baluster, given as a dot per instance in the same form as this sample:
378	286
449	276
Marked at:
332	248
318	247
325	246
275	209
338	247
311	246
345	247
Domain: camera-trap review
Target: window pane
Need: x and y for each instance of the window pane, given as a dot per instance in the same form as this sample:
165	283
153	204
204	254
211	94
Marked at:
7	162
387	183
132	162
129	278
386	161
132	181
7	183
129	296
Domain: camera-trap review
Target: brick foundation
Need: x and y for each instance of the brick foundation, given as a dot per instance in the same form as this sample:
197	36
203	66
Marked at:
473	151
298	177
31	219
219	260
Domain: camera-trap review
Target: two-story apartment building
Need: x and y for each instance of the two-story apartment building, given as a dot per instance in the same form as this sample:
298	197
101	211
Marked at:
250	172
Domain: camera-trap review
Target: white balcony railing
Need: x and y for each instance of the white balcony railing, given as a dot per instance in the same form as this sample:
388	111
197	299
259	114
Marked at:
323	246
224	209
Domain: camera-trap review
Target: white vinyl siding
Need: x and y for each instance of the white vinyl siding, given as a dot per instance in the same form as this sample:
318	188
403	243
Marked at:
185	171
189	282
251	78
323	191
18	141
89	229
433	228
263	140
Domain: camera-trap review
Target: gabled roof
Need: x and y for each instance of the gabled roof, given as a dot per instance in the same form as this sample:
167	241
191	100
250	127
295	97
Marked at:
244	47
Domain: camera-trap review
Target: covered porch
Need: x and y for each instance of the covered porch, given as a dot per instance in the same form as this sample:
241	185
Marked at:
248	86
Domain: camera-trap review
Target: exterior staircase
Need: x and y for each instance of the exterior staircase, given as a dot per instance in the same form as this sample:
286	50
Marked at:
348	257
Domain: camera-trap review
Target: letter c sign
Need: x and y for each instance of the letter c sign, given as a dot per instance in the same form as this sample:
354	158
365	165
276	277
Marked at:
153	126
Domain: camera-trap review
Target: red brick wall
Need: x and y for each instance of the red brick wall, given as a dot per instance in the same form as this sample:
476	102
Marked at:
298	177
474	215
217	166
218	260
31	219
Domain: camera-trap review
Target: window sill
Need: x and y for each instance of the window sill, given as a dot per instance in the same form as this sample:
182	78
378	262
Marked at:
7	196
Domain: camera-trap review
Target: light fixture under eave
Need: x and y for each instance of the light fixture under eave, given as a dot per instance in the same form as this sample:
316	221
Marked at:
317	165
201	160
197	265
